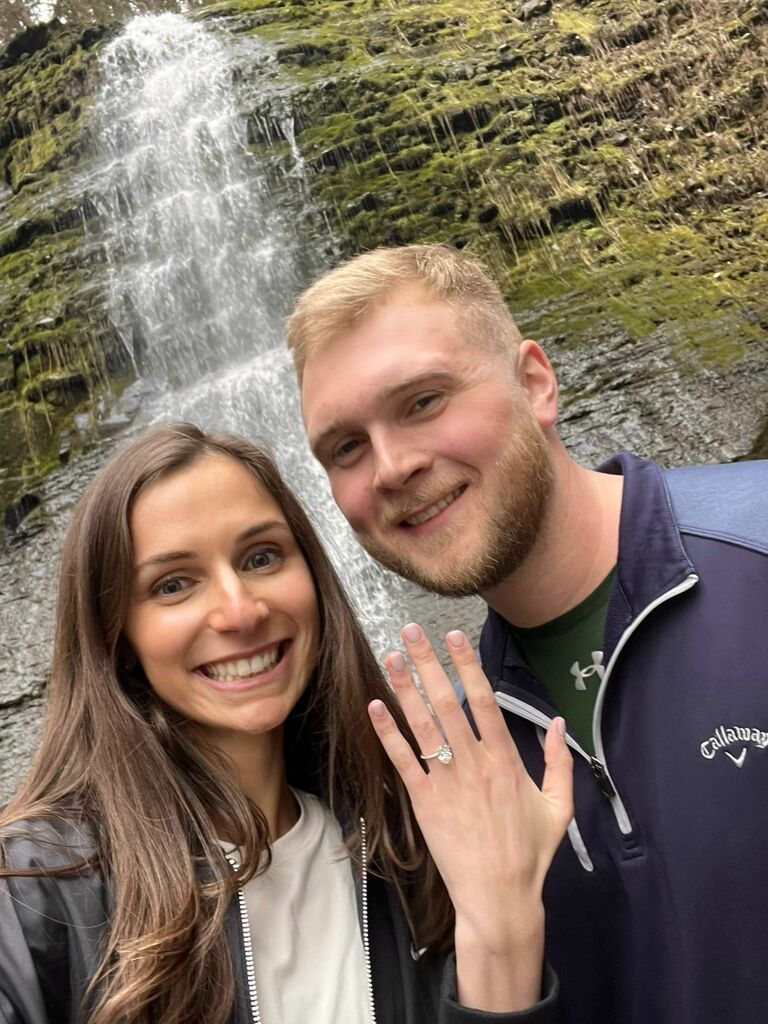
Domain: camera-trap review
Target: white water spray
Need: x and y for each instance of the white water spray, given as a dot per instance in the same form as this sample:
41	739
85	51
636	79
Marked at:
203	262
200	266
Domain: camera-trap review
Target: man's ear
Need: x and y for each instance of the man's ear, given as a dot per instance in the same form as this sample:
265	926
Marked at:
538	381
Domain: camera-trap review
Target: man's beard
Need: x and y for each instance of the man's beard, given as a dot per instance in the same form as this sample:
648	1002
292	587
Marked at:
512	514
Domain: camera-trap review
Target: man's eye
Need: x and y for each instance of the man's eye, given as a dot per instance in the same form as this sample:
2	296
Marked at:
425	401
343	451
263	558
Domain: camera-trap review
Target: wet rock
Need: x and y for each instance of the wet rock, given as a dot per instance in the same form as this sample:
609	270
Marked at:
413	158
573	209
15	514
336	156
534	8
546	109
63	389
367	201
306	54
468	119
488	214
114	424
30	41
64	448
574	44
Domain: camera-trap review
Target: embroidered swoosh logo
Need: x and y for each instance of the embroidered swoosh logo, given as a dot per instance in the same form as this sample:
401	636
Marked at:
738	761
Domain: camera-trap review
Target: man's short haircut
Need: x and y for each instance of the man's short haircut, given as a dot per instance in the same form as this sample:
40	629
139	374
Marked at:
342	298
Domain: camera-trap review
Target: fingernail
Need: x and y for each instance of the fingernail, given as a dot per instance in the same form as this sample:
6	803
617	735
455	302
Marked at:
396	661
561	726
412	632
377	708
455	638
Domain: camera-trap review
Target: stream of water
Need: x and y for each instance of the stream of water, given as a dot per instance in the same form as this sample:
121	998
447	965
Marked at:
203	258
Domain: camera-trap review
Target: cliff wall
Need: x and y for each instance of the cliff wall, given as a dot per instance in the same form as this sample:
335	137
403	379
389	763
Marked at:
608	158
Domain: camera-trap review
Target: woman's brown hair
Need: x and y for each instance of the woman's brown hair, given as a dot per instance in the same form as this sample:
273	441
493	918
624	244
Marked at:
115	756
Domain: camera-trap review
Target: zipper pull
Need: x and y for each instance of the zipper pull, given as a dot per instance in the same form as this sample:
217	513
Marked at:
602	780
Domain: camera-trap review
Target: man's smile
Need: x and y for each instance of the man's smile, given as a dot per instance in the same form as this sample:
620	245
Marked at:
424	515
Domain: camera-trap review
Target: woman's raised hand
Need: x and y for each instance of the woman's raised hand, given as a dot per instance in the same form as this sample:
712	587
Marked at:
491	831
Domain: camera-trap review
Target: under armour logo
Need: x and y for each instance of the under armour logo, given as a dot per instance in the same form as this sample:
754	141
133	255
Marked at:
595	669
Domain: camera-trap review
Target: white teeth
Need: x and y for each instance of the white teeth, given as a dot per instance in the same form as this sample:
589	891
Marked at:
432	511
229	671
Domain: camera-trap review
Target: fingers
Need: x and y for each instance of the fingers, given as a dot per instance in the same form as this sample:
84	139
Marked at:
557	785
439	690
422	723
396	747
482	702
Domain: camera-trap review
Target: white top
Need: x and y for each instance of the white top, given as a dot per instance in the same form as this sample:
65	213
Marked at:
307	945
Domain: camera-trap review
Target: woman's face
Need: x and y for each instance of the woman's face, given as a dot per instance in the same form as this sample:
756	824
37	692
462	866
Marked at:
223	613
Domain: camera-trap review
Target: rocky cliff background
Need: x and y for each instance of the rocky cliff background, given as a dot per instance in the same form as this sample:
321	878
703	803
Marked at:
608	158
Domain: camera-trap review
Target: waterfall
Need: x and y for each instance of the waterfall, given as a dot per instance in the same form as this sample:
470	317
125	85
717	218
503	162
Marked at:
202	260
205	247
199	261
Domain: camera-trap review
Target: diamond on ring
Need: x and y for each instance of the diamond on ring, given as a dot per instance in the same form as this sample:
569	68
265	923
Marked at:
444	754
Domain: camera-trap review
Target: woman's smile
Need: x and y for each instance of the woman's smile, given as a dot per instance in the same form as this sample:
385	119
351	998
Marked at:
239	671
223	613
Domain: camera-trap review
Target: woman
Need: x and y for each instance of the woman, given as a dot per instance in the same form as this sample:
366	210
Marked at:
216	720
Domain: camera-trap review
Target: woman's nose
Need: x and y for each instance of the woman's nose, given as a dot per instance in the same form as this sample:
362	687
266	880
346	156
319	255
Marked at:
236	607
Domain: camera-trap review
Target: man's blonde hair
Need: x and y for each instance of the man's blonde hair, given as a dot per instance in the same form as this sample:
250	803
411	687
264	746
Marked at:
342	298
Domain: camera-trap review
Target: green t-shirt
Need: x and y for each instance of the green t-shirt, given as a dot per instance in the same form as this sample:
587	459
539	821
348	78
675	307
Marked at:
567	656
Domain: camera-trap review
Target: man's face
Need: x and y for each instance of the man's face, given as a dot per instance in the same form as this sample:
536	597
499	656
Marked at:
431	447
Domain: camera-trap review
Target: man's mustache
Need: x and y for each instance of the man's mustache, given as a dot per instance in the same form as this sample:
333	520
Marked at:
417	500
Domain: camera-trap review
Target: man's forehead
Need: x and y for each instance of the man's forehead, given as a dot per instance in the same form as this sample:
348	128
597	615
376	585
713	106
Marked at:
394	335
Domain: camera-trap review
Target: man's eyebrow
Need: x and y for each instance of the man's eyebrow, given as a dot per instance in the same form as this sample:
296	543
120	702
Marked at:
164	557
433	375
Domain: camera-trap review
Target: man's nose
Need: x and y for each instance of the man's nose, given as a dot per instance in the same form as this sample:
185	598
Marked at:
235	606
396	462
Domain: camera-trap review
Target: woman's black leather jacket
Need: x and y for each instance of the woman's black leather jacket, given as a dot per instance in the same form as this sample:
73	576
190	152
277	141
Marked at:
51	928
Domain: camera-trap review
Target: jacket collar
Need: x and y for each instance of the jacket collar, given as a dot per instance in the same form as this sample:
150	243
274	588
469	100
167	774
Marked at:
652	558
651	561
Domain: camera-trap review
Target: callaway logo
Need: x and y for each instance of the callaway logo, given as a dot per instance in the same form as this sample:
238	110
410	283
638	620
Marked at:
581	674
734	736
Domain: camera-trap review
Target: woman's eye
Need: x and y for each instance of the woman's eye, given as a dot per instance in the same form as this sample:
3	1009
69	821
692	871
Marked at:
170	586
264	558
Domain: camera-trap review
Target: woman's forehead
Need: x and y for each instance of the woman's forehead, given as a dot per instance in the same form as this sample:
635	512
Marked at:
214	494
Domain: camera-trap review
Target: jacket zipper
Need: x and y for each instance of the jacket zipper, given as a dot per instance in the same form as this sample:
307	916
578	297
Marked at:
598	763
245	924
364	902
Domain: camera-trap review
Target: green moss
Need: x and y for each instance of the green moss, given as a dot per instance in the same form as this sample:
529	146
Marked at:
614	181
578	22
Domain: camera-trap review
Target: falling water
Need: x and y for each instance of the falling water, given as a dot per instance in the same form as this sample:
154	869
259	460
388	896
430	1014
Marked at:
199	261
204	261
206	245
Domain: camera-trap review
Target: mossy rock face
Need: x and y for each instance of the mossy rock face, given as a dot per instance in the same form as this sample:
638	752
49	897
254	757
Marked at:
56	345
608	159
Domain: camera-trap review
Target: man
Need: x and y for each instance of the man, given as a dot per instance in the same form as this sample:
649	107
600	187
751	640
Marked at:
632	600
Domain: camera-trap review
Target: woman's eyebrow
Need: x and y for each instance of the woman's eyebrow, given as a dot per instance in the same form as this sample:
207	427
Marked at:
161	559
175	556
254	531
